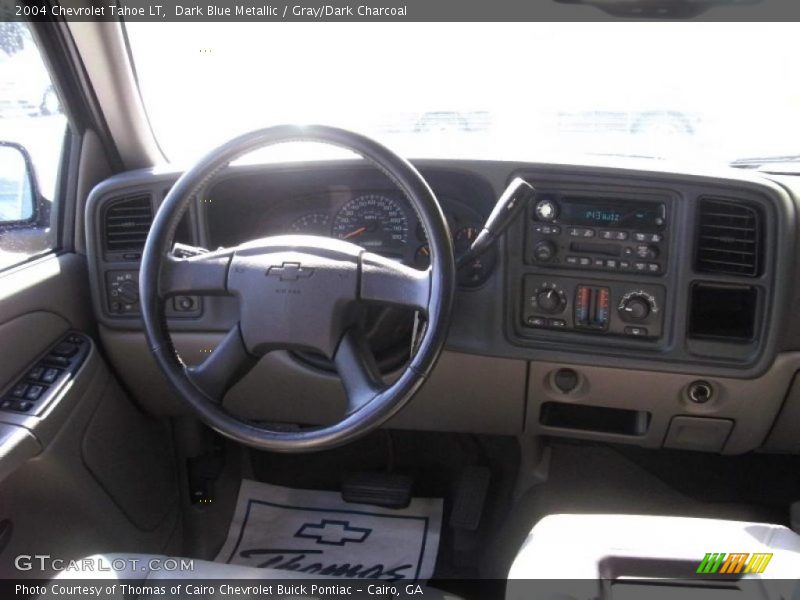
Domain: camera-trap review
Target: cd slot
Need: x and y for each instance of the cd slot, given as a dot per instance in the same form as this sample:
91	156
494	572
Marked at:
594	248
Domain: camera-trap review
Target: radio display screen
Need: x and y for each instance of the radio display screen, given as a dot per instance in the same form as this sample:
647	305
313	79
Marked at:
612	213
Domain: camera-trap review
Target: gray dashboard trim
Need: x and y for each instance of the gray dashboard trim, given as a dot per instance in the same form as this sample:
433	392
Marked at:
481	320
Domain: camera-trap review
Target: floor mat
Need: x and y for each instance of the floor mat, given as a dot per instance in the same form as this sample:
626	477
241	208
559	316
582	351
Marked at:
317	532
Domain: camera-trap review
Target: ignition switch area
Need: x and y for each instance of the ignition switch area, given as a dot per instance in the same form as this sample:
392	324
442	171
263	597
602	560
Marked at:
592	307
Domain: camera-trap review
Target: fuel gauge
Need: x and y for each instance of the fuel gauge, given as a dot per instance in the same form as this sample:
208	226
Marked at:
317	223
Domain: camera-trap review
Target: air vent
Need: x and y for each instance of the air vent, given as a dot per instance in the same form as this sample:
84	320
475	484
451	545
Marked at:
126	223
728	238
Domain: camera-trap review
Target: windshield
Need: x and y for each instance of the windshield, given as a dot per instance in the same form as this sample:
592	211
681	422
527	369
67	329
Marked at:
523	91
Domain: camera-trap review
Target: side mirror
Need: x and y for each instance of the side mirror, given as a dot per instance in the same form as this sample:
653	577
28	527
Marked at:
20	202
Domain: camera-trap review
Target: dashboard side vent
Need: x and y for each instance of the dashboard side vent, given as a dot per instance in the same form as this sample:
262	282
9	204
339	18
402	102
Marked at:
126	223
729	237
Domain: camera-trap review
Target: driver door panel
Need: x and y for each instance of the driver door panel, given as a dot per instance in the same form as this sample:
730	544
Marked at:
90	471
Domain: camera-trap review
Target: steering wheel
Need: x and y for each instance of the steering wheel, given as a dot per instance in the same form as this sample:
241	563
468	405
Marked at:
297	293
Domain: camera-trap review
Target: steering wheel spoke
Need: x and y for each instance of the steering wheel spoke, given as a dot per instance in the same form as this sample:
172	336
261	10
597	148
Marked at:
390	282
227	364
203	274
358	370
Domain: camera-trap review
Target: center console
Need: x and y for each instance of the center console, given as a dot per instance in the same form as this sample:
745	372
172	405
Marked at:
597	260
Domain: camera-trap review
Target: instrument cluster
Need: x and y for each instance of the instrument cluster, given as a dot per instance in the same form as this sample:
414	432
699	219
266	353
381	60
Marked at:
380	221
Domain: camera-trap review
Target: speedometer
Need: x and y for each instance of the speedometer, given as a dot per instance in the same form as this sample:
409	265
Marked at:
373	221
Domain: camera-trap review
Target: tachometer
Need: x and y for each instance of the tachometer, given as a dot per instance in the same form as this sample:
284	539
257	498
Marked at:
372	221
317	223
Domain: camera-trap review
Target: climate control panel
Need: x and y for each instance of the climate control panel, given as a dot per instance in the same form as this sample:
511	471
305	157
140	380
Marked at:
613	308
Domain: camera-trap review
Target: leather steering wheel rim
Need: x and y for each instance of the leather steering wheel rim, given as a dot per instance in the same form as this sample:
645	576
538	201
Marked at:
161	275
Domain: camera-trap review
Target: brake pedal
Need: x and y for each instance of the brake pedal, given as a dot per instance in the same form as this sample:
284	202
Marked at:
379	489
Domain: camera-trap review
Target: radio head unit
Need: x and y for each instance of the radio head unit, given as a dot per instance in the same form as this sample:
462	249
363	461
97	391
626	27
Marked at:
597	233
596	212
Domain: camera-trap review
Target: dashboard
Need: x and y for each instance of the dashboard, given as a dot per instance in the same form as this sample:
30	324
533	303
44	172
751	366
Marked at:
627	303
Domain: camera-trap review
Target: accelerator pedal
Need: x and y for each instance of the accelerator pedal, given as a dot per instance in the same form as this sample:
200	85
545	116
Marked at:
470	496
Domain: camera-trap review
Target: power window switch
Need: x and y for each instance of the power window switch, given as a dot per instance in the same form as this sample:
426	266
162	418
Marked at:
34	392
36	373
23	406
52	359
50	375
19	390
6	404
65	349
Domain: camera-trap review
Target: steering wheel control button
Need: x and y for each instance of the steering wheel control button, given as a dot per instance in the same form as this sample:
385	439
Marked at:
566	380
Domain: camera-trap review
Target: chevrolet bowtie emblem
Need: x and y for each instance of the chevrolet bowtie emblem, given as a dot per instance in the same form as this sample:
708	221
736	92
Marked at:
290	271
333	532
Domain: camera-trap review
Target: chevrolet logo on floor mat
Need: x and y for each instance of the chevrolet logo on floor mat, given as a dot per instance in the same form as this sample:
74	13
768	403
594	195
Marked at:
333	533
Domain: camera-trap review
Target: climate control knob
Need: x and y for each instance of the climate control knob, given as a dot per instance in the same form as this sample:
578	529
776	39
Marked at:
636	306
550	301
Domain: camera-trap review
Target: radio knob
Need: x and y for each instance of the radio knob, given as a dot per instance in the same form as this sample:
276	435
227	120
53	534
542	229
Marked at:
546	210
647	251
544	251
635	308
550	301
